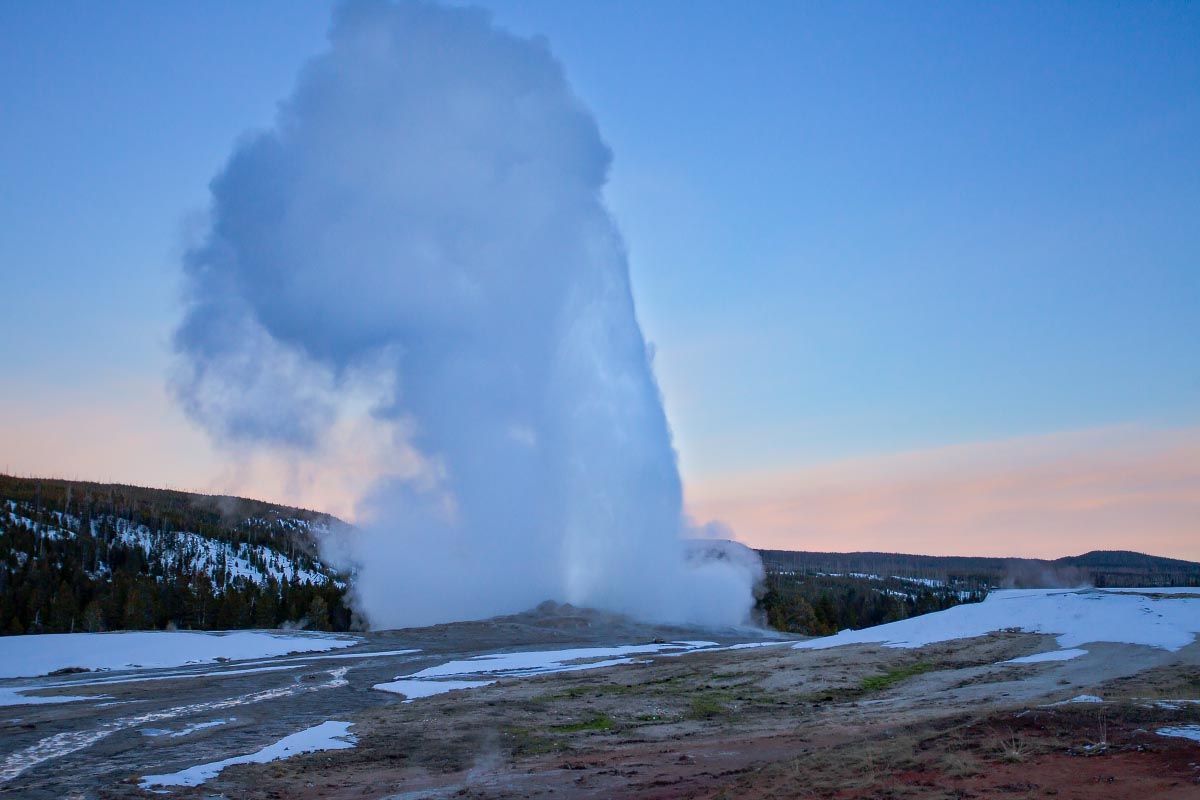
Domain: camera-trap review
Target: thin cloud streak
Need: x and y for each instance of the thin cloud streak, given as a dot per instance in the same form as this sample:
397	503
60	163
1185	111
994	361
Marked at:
1128	488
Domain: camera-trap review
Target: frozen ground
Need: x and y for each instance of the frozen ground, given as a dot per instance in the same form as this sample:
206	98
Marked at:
576	704
1074	617
167	710
416	689
19	697
332	735
1049	655
1083	698
486	669
28	656
196	726
1182	732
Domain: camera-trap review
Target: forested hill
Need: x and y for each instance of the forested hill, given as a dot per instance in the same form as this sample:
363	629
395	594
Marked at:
820	593
78	556
1112	568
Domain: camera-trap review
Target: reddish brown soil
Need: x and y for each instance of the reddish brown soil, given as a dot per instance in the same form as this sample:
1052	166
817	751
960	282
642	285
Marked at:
953	721
1067	754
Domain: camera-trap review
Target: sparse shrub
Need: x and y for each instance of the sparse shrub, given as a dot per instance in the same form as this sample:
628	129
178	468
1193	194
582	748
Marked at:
706	707
877	683
961	765
1013	750
599	722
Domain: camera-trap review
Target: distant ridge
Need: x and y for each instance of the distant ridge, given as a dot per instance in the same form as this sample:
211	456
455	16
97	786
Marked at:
1116	568
165	504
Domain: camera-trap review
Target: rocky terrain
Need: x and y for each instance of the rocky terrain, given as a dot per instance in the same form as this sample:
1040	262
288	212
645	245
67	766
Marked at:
661	712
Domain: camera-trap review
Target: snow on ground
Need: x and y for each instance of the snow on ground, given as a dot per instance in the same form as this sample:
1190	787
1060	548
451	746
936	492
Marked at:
486	669
339	656
540	662
416	689
1051	655
1182	732
1083	698
164	676
749	645
331	735
1076	617
197	726
24	656
71	741
1175	705
375	654
17	697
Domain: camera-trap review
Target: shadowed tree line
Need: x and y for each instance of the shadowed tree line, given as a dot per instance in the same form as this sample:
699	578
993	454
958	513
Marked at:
820	605
65	567
1097	568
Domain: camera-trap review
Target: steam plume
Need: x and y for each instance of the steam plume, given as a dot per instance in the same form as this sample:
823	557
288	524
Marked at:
422	234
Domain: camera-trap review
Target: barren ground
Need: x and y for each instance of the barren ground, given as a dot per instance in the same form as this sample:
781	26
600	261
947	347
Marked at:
945	721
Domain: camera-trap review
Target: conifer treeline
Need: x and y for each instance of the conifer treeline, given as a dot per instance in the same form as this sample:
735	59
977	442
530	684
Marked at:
65	567
820	605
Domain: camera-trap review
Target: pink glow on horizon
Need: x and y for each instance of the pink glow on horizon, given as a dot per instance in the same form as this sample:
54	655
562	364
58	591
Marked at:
132	433
1046	496
1127	488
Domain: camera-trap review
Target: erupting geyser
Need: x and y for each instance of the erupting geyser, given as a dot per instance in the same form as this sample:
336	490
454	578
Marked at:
423	226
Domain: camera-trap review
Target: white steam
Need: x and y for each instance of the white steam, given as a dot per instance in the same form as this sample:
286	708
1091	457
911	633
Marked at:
425	220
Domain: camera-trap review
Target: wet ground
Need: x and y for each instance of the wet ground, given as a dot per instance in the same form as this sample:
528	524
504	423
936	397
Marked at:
946	720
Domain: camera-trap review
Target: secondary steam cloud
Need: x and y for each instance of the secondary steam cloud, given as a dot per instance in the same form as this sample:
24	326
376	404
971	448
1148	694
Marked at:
421	238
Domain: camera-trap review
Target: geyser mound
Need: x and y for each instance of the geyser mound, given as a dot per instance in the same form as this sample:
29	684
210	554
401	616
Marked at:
421	238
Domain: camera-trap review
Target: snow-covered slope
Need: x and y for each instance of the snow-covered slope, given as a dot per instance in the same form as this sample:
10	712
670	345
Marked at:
225	562
1076	617
195	553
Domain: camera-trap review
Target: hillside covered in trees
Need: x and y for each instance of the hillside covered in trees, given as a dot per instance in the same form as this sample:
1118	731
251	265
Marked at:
822	593
91	557
1113	568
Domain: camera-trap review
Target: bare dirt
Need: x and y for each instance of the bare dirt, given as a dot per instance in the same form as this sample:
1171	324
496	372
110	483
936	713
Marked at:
945	721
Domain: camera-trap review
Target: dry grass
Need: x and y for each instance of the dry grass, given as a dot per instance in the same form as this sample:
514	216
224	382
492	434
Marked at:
961	765
1013	750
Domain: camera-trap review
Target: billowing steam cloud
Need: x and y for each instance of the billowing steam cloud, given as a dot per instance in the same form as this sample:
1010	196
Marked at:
423	230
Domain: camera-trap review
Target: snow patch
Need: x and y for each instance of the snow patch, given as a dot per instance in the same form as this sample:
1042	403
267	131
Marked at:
541	662
198	726
751	645
1181	732
1083	698
67	742
416	689
170	676
491	667
1076	617
331	735
1175	705
17	697
1052	655
24	656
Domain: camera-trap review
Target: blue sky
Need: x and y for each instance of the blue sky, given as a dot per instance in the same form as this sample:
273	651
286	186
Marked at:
855	229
